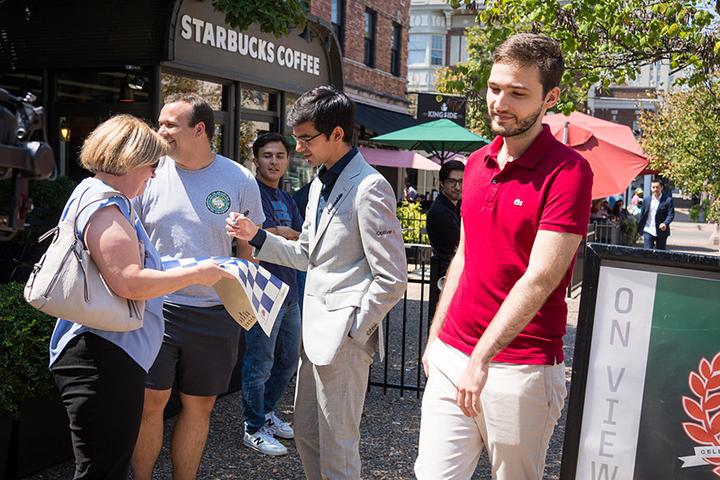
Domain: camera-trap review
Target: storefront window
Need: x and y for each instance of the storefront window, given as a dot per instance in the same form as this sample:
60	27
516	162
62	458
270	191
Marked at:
298	172
20	85
217	141
210	91
256	100
249	130
110	87
76	130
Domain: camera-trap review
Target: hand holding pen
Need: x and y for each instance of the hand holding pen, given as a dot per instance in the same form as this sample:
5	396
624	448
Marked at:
243	214
239	226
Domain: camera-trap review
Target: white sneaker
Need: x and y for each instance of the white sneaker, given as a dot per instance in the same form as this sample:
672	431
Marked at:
264	442
277	427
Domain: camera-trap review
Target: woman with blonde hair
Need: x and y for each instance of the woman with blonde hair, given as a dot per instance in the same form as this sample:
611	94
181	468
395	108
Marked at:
101	374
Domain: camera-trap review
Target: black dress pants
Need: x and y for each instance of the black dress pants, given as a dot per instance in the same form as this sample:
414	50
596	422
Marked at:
103	390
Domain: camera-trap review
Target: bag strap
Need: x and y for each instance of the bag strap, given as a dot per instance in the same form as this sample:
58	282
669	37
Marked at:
98	198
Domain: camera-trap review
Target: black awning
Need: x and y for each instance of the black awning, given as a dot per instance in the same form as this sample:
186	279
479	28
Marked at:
382	121
38	34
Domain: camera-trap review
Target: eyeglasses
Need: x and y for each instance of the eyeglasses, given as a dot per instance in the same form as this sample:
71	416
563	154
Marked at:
452	183
155	166
306	141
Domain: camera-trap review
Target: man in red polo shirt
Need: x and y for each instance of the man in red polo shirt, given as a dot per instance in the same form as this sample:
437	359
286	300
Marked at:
494	358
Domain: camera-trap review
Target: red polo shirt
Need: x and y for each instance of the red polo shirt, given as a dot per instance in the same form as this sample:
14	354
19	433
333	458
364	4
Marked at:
547	188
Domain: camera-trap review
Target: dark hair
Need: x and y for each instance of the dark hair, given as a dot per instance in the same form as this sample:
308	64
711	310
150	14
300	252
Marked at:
448	167
532	50
201	111
658	180
326	108
270	137
618	207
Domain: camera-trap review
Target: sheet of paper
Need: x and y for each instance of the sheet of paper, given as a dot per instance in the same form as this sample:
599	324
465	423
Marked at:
254	295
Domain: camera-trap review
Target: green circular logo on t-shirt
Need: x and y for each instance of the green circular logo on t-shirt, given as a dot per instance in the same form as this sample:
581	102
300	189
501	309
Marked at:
218	202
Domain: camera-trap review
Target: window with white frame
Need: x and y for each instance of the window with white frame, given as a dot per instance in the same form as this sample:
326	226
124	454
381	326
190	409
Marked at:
436	51
417	44
458	49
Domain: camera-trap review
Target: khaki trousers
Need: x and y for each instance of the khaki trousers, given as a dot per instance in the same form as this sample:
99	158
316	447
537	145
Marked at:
520	408
329	402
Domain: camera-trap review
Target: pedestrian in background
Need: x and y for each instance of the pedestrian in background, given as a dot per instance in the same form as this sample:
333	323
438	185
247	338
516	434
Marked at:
270	361
658	211
443	218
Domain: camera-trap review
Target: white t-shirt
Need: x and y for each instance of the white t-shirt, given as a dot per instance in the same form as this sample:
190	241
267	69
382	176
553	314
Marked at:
184	213
650	226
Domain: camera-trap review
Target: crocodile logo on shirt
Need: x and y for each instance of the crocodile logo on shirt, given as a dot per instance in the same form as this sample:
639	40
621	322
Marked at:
218	202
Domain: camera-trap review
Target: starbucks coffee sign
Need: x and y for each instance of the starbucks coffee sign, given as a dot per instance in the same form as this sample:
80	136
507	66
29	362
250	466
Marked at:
203	39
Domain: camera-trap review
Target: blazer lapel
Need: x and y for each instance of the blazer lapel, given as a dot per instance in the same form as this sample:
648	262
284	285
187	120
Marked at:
340	192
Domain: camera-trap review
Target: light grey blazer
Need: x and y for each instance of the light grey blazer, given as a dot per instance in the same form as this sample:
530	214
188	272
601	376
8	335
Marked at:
355	259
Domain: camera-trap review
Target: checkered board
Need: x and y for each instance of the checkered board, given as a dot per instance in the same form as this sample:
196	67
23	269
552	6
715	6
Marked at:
253	295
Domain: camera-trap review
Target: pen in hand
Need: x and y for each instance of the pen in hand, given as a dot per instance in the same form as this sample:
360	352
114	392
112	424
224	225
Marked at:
244	214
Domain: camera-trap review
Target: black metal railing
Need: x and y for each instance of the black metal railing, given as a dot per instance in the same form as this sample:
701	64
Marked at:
405	329
407	324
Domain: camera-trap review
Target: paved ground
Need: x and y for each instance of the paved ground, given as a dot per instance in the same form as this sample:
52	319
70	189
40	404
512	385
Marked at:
391	422
686	236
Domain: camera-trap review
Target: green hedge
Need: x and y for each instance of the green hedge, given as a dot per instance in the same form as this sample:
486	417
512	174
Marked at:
24	340
413	222
695	210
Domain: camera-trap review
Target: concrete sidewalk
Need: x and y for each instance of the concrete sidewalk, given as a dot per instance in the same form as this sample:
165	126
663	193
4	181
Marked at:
692	237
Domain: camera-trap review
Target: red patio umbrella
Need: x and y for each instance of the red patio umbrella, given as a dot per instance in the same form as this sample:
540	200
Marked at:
611	149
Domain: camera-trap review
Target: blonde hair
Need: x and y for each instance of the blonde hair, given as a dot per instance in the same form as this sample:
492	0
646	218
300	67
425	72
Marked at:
121	144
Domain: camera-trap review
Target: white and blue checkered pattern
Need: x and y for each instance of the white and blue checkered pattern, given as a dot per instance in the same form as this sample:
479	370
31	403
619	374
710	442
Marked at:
263	289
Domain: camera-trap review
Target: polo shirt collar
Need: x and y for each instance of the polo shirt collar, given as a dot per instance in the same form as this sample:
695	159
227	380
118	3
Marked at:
537	150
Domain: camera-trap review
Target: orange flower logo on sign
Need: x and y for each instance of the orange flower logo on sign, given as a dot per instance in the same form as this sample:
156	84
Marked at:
704	409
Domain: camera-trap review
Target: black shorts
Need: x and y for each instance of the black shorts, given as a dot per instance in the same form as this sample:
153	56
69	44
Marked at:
200	347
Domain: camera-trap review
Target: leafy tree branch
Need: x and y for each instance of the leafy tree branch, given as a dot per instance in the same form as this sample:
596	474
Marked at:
605	42
681	139
273	16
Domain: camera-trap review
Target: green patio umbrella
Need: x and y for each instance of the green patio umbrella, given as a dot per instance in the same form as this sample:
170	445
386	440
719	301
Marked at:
442	138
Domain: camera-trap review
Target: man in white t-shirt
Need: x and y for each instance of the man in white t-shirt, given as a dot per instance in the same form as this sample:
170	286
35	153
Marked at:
183	210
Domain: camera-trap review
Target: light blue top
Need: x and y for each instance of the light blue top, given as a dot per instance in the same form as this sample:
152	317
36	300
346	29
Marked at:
142	344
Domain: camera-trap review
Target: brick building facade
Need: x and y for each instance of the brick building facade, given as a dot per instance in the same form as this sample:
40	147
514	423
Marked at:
622	104
376	84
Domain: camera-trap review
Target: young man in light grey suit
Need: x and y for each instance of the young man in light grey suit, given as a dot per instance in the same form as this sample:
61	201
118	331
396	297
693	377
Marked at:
352	248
